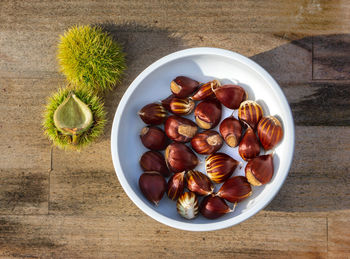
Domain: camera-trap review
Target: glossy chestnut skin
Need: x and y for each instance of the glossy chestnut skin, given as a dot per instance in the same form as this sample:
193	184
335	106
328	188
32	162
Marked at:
153	186
207	142
231	131
208	114
199	183
180	157
270	132
213	207
249	146
183	86
153	114
220	166
230	96
250	112
154	161
176	185
166	102
153	138
181	106
187	205
235	189
205	90
260	170
180	129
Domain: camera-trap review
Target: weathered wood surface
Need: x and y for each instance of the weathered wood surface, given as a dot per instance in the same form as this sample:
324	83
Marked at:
70	205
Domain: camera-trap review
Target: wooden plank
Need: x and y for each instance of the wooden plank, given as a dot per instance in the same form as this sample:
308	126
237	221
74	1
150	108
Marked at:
339	235
330	57
135	236
317	182
24	191
205	16
22	141
320	103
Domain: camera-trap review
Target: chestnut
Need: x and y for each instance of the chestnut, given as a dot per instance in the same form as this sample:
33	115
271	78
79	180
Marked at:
207	142
199	183
154	161
153	138
213	207
180	129
235	189
270	132
230	96
260	170
153	114
208	114
187	205
220	166
250	112
181	106
205	90
180	157
176	185
166	102
183	86
249	146
231	131
153	186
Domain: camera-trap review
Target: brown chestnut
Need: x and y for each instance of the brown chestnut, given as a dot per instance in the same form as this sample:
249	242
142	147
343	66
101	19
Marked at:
260	170
208	114
207	142
199	183
166	102
235	189
180	129
250	112
231	131
213	207
153	138
205	90
180	157
183	86
230	96
220	166
187	205
181	106
270	132
154	161
153	113
153	186
249	146
176	185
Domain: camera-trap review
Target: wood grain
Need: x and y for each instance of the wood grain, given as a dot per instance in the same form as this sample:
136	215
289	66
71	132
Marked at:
79	210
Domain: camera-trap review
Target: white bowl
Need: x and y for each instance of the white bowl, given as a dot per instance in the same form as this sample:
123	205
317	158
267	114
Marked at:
201	64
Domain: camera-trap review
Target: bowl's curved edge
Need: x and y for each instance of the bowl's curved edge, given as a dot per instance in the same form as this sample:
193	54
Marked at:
115	128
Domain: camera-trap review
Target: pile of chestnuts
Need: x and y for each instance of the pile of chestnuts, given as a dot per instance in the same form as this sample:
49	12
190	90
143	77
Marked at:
250	132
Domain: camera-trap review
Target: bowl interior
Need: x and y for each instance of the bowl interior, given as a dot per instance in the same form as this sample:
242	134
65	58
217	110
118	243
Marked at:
153	85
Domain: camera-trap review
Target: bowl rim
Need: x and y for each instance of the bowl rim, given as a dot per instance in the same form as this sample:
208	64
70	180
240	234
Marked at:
115	143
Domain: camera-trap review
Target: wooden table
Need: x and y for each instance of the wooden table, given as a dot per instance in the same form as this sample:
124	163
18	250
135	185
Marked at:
70	205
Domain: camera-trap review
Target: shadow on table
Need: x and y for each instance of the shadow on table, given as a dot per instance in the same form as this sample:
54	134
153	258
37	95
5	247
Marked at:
143	45
313	73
